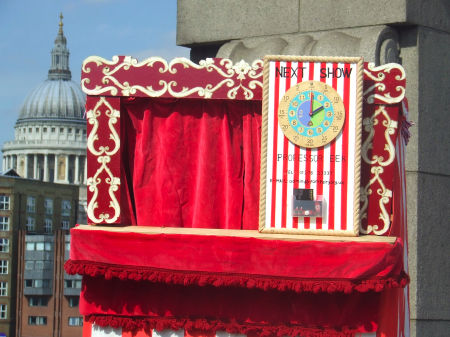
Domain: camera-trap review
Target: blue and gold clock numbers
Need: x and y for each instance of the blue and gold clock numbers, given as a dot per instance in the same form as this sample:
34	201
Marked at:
311	114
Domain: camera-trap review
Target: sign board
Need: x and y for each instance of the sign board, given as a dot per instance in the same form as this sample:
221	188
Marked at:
311	144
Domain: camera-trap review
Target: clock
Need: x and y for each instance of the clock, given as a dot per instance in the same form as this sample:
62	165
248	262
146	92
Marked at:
311	114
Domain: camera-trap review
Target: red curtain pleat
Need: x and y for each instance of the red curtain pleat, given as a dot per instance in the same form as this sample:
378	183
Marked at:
193	163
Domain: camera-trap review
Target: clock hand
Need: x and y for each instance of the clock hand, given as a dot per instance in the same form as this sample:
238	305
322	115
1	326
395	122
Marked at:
311	103
317	110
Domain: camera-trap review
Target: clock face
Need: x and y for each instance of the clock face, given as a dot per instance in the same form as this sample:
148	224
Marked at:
311	114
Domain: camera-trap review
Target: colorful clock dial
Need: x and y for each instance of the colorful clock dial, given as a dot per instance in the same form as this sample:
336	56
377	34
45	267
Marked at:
311	114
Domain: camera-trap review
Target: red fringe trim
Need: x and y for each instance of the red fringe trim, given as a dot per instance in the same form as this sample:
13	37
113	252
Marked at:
140	323
224	280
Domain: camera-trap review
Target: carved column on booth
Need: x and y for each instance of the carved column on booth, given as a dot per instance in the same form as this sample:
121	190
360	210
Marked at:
103	154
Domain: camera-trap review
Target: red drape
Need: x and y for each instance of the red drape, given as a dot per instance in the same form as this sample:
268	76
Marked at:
192	163
134	305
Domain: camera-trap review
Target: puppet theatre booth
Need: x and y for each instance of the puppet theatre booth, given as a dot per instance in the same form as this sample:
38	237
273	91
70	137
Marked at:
263	199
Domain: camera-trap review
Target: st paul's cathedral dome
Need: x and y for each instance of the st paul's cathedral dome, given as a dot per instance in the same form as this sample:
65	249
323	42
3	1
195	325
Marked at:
50	133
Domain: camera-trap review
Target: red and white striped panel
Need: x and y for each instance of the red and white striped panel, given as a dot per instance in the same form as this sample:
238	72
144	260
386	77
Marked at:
339	207
92	330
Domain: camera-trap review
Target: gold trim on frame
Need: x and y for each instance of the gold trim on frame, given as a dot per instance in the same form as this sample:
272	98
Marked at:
103	155
242	70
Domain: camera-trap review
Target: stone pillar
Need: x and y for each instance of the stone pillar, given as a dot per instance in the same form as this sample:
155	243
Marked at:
377	30
46	175
66	171
76	179
35	159
85	171
55	176
25	169
4	164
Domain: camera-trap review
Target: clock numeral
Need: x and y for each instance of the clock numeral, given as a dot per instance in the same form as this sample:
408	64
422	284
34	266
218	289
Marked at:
285	98
320	97
324	139
335	99
326	104
284	127
295	103
309	142
335	128
292	113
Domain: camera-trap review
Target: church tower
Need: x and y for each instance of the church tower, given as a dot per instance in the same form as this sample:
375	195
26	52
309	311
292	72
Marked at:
50	132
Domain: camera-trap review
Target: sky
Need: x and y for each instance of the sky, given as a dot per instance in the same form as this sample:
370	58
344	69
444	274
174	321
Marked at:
92	27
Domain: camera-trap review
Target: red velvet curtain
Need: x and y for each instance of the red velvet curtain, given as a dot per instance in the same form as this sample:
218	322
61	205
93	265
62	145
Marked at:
193	163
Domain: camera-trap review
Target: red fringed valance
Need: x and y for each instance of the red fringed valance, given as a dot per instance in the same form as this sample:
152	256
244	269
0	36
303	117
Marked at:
135	323
313	266
141	305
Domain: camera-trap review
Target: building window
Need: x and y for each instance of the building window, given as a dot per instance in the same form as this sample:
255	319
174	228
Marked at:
75	321
39	246
4	202
69	130
4	223
30	224
31	204
65	224
45	129
53	130
61	130
30	130
38	301
66	207
72	284
48	205
4	245
3	267
37	320
74	301
29	283
68	246
48	225
39	265
3	288
29	265
3	311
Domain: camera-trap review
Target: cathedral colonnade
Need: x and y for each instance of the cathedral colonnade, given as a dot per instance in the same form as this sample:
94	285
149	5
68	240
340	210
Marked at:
51	167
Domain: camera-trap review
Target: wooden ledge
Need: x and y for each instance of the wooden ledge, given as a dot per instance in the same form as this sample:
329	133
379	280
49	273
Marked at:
237	233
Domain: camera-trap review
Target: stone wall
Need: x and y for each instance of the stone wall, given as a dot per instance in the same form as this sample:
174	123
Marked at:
415	33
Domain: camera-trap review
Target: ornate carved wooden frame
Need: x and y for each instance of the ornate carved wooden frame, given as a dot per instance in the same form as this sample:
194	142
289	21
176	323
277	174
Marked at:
107	81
